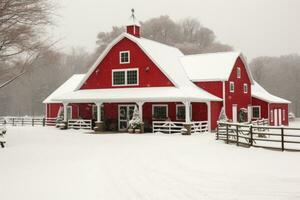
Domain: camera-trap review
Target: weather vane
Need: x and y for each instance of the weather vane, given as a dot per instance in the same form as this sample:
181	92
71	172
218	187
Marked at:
132	15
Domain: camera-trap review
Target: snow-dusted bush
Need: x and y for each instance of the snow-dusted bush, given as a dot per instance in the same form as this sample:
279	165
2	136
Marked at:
135	122
222	116
292	116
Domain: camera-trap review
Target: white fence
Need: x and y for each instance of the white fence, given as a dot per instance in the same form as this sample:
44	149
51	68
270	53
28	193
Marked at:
176	127
23	121
80	124
51	121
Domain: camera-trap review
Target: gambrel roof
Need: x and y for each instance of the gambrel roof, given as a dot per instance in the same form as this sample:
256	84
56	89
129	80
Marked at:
212	66
260	93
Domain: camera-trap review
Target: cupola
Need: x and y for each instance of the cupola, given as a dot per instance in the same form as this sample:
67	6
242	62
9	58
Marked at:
133	27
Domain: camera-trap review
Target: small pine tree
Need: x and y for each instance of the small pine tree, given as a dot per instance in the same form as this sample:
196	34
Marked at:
222	116
136	121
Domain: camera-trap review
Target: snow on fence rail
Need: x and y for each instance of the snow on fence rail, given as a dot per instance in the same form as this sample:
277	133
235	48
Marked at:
23	121
80	124
176	127
271	137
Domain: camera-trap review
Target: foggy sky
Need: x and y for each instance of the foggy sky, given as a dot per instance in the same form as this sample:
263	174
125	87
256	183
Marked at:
256	27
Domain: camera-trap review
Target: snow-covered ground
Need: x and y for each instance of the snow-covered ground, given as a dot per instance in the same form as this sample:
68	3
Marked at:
46	163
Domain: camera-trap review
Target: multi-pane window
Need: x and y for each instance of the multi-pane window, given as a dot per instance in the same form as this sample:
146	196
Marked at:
245	88
231	86
238	72
255	112
132	77
124	57
180	112
160	111
125	77
119	78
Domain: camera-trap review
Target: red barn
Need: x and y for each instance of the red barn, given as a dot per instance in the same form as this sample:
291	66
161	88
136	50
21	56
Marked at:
164	84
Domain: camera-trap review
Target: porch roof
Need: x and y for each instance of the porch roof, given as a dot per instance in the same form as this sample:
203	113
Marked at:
145	94
260	93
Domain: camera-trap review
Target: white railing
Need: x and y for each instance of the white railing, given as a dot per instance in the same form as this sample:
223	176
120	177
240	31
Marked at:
176	127
80	124
51	121
199	127
260	122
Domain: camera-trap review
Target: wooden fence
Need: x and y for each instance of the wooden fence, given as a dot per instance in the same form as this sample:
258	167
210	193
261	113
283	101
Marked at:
80	124
23	121
176	127
271	137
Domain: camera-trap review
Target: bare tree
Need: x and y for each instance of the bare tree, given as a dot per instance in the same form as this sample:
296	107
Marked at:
21	25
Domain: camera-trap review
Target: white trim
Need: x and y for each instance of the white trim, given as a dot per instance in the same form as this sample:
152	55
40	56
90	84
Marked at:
247	88
272	115
224	99
236	113
283	114
107	50
127	106
124	70
259	108
120	57
238	72
231	83
182	105
160	105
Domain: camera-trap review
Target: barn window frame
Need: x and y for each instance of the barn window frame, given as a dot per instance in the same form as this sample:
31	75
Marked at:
231	86
124	57
245	88
126	79
259	112
155	113
238	72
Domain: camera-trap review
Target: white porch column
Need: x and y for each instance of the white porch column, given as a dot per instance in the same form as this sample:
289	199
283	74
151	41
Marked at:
249	113
187	111
140	107
99	104
65	112
208	116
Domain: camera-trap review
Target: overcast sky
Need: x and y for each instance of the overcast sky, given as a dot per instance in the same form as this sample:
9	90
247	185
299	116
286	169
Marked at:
256	27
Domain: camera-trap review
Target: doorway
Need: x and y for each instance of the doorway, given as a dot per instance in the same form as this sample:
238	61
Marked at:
125	115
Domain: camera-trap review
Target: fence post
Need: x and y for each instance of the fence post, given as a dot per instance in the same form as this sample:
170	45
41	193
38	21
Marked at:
237	135
217	131
13	123
32	122
44	121
227	136
251	135
22	121
282	139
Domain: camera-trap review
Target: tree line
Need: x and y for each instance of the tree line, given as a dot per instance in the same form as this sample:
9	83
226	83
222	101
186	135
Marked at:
30	69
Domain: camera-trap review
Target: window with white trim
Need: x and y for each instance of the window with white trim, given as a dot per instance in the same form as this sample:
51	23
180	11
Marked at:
238	72
124	57
95	111
231	86
180	112
256	112
160	112
245	88
125	77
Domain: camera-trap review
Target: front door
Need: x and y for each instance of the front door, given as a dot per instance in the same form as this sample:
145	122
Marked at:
234	113
125	115
275	117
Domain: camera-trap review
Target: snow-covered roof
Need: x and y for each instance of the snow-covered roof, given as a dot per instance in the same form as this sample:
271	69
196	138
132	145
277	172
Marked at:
167	58
147	94
260	93
67	87
212	66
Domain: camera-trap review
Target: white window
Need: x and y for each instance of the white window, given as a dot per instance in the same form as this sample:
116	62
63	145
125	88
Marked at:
180	112
238	72
256	112
245	88
124	57
231	86
125	77
160	112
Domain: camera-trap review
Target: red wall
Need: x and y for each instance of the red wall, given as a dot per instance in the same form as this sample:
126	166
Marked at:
134	30
285	107
216	108
264	107
238	97
53	109
149	74
213	87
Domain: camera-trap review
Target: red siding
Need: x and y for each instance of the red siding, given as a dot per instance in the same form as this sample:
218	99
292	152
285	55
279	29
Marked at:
134	30
238	97
213	87
149	74
264	107
52	109
285	119
216	108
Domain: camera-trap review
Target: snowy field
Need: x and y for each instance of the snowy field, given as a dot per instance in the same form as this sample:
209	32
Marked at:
45	163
